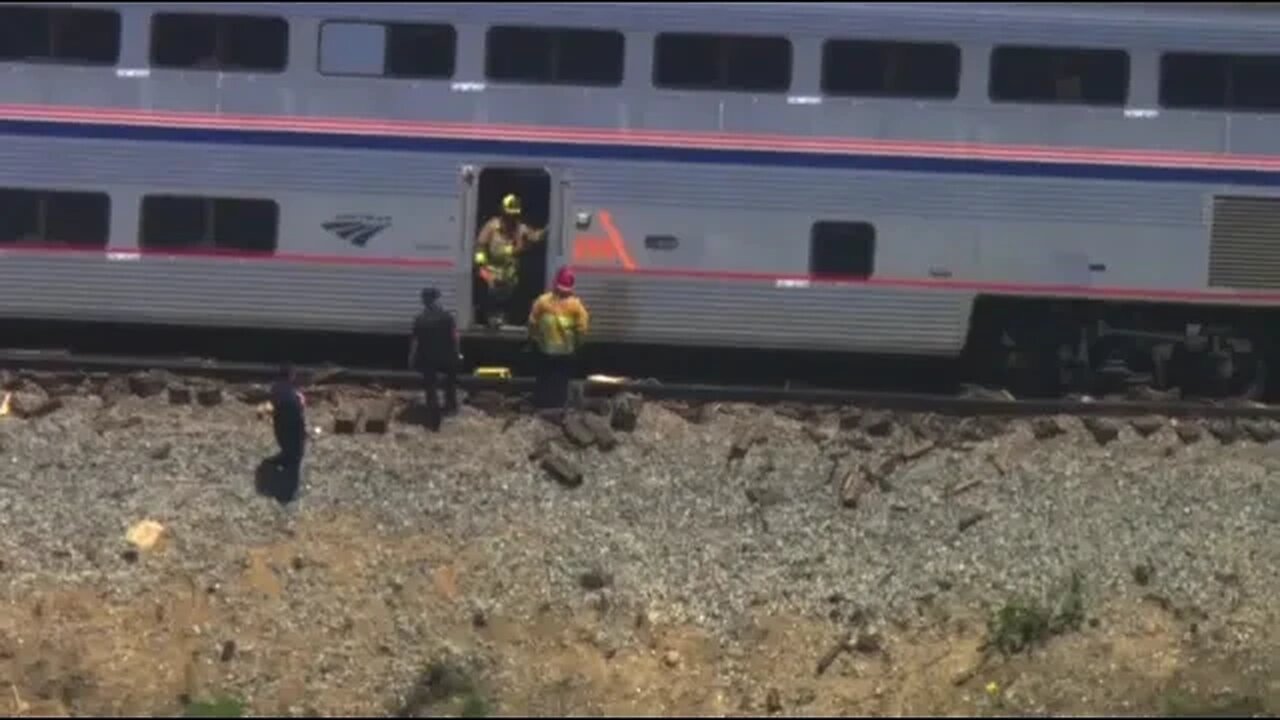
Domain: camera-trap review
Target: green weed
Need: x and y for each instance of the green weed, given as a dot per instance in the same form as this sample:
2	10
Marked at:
220	707
1022	624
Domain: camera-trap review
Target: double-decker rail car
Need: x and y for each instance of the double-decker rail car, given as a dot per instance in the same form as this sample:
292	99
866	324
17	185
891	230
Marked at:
1072	189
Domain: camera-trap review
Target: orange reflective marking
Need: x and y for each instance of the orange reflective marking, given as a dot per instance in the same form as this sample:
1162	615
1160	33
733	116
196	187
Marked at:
610	247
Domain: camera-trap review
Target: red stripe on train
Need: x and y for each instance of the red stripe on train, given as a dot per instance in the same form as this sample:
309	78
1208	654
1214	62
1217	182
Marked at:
692	140
793	281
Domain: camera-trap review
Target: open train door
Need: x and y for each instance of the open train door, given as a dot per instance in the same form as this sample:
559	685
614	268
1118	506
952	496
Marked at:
465	308
483	189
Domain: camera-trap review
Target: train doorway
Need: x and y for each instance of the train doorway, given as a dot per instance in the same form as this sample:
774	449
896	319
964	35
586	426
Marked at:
532	188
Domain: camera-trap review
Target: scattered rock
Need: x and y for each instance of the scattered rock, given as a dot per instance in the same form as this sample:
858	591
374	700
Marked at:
576	430
209	396
346	420
850	419
30	406
1261	431
604	436
963	488
565	471
743	440
1188	432
1143	573
671	659
818	434
113	388
980	429
228	651
179	395
1147	425
971	518
916	450
765	495
626	412
853	486
1225	430
1103	430
963	676
773	701
868	642
148	384
161	452
595	579
489	402
377	416
145	535
255	394
877	424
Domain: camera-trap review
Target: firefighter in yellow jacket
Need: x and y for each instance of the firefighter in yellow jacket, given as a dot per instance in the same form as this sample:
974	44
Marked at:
558	324
498	247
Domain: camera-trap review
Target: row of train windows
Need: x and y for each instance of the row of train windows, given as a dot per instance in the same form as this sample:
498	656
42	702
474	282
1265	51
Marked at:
83	220
685	61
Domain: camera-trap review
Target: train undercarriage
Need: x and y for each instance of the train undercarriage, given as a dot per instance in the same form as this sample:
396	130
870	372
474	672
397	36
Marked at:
1101	349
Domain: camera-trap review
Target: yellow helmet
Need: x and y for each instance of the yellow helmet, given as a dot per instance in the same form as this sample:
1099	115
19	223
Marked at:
511	205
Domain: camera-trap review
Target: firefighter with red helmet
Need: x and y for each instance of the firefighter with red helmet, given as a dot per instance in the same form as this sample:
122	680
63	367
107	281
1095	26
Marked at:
558	325
499	245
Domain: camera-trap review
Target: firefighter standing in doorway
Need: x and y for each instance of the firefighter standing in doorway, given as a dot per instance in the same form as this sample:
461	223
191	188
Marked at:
499	245
558	324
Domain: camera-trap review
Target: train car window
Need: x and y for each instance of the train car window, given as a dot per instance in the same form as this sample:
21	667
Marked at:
59	35
421	51
1208	81
554	56
1069	76
393	50
49	217
225	43
199	223
845	249
885	68
737	63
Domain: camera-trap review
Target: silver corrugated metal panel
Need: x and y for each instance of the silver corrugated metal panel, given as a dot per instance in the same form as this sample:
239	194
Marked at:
708	311
217	292
1245	247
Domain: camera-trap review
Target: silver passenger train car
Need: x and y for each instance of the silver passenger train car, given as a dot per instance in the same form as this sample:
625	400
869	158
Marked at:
1039	180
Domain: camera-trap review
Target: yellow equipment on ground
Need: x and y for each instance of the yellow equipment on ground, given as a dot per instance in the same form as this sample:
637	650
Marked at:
493	373
606	379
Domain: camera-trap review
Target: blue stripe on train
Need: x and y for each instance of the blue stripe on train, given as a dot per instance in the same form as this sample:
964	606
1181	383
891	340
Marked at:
637	153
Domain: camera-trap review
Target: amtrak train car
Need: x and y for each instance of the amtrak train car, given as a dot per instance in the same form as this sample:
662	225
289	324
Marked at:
1062	187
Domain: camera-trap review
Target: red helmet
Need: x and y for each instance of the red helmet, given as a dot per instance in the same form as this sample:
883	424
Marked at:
564	280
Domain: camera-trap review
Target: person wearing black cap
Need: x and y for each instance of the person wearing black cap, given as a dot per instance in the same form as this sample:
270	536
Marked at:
433	351
288	414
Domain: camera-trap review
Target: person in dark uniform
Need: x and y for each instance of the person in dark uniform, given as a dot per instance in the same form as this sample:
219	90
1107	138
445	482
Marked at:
288	409
433	351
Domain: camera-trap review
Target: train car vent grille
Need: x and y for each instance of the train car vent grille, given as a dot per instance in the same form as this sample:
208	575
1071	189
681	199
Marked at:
1244	245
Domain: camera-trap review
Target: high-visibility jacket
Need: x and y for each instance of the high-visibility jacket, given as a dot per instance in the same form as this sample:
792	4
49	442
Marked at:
558	324
497	250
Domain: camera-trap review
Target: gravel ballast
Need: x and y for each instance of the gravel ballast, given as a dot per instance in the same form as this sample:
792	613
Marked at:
707	519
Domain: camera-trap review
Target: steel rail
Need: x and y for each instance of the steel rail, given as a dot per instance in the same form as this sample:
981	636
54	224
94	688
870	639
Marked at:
962	405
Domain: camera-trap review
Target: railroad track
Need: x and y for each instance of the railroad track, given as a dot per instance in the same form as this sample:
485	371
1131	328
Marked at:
960	405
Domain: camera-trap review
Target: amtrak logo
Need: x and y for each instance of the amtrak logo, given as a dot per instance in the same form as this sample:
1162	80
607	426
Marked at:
357	229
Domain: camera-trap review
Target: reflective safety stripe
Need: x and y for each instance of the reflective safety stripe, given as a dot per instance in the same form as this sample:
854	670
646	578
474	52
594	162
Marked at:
558	331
